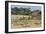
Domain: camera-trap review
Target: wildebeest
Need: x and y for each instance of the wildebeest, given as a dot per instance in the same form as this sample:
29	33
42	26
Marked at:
25	17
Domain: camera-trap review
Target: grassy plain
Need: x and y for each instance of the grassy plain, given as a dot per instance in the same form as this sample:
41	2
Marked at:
18	22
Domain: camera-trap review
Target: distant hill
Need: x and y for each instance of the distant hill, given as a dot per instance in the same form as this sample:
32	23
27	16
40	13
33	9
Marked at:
36	14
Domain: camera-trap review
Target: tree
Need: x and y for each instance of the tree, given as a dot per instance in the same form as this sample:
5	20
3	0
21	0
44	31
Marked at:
21	10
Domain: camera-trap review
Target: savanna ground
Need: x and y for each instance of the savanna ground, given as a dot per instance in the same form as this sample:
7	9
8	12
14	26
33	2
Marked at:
24	21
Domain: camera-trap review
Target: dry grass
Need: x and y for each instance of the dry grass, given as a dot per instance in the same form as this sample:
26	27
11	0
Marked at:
17	22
